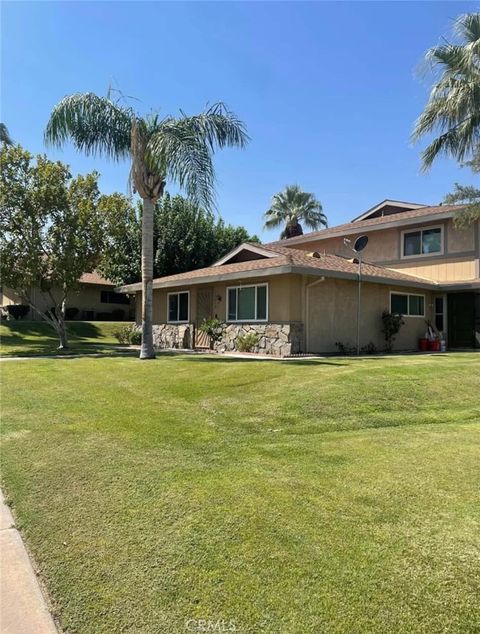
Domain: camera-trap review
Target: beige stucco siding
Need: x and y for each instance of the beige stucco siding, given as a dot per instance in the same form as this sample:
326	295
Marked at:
332	316
382	245
86	298
284	295
459	240
328	309
458	262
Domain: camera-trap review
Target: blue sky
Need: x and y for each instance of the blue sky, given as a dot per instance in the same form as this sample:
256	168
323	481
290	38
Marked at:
329	91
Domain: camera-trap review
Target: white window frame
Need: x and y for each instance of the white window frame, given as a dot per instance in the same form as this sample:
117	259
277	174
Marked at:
408	304
246	321
178	321
422	229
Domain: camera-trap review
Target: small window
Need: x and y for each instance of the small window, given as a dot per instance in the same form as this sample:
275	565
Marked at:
407	305
422	242
439	314
178	306
247	303
110	297
399	304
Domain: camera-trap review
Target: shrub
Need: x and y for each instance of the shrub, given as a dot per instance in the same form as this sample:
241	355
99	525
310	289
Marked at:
123	333
344	348
247	343
128	334
18	311
135	336
214	328
391	326
71	313
370	348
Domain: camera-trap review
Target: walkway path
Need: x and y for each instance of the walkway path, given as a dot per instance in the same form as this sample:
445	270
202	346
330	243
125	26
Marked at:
23	609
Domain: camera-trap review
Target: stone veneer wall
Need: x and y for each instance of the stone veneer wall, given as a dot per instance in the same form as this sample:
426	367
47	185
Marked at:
275	339
173	335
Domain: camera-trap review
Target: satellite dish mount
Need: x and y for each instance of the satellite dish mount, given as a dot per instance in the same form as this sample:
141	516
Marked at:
360	243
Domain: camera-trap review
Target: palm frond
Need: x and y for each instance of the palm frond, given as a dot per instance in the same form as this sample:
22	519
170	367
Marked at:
5	135
453	108
292	206
218	127
183	149
95	125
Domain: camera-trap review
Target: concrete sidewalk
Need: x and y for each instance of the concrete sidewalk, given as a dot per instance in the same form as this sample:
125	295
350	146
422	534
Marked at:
23	609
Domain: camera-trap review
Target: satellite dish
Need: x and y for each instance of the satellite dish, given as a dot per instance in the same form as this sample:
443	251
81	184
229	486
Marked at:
360	243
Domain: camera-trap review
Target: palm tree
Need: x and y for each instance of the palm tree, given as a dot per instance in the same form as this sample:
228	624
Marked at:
4	135
177	149
453	107
290	207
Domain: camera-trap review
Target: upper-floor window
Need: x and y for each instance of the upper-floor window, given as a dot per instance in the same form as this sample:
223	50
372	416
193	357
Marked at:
247	303
428	241
178	306
110	297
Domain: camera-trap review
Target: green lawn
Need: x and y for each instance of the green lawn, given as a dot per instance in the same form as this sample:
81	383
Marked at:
26	338
313	496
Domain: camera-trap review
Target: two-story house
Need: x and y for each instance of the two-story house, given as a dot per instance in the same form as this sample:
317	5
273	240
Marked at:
302	294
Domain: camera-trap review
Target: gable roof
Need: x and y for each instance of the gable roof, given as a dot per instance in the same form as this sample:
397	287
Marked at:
257	249
282	260
95	278
387	207
404	218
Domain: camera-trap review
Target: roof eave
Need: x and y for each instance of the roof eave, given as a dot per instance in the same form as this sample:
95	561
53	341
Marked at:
346	275
245	246
279	270
329	233
207	279
391	203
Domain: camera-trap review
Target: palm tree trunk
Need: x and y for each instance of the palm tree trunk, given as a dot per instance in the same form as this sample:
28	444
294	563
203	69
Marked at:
147	350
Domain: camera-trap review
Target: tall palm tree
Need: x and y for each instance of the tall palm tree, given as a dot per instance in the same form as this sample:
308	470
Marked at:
5	135
290	207
453	108
177	149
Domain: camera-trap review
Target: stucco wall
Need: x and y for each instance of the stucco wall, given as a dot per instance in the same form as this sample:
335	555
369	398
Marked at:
284	294
382	245
86	298
332	316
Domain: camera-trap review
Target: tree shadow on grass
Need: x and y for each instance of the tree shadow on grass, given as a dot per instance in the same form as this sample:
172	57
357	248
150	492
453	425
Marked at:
203	358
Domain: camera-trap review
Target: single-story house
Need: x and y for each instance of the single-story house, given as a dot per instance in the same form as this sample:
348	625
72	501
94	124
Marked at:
94	299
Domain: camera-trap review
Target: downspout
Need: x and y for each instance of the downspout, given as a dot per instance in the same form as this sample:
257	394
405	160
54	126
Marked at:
307	310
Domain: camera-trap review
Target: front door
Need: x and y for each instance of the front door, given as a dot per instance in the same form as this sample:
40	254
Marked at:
461	320
204	311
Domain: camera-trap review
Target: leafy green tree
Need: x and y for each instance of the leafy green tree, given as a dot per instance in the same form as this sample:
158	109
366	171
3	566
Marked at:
51	231
292	207
121	256
189	237
171	149
453	108
186	237
469	197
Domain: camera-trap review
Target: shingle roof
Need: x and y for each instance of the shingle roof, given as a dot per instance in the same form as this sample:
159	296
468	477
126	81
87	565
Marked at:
94	278
372	222
283	256
330	262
